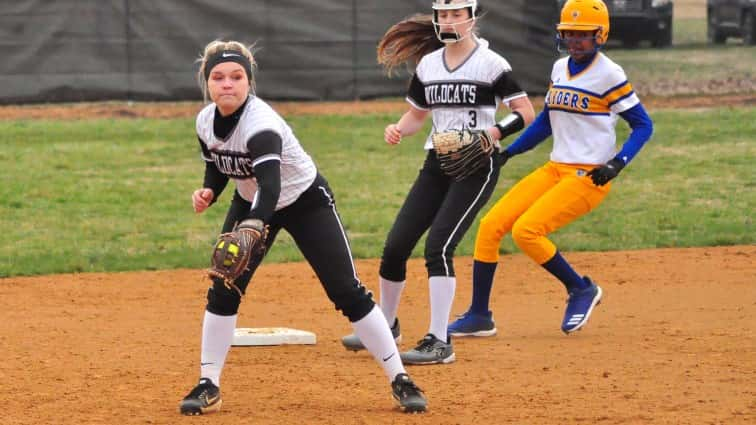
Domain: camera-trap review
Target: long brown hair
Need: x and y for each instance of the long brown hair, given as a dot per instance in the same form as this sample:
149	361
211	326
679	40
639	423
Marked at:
407	41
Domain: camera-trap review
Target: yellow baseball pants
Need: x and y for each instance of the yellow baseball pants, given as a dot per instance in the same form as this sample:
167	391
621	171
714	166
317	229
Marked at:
547	199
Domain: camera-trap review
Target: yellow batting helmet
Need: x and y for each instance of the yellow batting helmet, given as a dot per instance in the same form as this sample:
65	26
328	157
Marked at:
585	15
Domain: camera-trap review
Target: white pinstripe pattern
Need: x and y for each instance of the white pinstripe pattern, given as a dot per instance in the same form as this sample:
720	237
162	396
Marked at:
483	67
472	204
298	171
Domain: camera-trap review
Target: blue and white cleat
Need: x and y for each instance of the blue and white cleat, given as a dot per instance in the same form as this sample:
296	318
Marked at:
473	324
580	306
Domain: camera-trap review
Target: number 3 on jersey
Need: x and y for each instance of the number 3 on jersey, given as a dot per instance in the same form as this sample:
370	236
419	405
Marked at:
473	119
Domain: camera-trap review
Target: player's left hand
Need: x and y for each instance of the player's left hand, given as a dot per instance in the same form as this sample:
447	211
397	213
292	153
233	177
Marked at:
603	174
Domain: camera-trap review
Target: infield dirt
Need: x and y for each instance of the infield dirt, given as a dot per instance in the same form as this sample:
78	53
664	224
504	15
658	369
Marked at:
672	343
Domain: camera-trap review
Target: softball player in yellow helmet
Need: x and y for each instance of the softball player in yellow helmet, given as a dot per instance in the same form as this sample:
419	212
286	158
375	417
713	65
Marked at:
588	92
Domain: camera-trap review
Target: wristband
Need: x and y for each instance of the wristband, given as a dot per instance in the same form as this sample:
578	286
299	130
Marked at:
512	123
252	223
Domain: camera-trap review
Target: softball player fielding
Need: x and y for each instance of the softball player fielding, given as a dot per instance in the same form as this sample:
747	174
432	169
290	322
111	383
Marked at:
277	185
587	92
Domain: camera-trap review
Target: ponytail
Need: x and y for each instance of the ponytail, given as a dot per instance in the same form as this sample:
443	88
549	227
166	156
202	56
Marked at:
407	41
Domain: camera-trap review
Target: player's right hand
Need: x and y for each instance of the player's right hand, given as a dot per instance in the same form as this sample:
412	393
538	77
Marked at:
201	199
392	135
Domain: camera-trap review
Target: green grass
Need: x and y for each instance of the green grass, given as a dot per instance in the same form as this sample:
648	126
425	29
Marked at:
695	67
111	195
689	31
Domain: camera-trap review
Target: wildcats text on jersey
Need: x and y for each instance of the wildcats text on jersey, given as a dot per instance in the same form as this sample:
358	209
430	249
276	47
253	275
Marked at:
233	165
451	93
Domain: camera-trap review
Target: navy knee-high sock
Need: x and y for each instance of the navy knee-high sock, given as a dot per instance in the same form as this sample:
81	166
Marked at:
483	274
559	267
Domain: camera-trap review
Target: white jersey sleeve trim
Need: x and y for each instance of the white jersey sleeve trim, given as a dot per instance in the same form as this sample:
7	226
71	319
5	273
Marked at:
265	158
260	130
415	105
625	103
513	97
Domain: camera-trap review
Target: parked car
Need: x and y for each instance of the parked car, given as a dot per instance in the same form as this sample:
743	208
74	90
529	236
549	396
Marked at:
731	18
633	21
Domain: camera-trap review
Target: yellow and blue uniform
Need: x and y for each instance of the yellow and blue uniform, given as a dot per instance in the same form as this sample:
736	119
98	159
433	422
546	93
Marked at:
581	110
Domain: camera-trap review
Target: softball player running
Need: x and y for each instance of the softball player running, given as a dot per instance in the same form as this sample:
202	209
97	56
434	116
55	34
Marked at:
586	94
460	82
277	184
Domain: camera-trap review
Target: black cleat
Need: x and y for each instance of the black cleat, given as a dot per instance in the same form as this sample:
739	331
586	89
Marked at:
203	399
409	396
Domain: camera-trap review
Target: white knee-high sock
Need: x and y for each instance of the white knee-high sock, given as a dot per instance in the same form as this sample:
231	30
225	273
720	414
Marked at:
217	336
375	335
391	293
441	290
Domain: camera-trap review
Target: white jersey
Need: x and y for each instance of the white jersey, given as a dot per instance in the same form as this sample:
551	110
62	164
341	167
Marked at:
234	160
583	110
467	96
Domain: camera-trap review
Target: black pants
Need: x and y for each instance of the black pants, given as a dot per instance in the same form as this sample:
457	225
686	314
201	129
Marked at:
444	206
315	226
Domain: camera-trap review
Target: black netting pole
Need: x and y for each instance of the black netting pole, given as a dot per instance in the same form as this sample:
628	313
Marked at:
129	72
355	36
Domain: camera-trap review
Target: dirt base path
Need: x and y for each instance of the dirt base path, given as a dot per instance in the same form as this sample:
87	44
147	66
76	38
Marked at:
672	343
69	111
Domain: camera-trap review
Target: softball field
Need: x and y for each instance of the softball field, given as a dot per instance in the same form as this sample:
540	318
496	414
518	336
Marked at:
672	343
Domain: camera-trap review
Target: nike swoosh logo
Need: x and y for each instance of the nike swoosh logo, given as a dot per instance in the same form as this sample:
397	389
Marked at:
389	357
205	364
228	55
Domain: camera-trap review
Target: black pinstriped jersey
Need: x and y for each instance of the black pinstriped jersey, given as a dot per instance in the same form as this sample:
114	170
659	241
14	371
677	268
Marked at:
466	96
233	158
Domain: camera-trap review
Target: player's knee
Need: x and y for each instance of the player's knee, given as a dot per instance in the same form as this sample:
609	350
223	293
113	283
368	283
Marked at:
522	234
221	300
439	262
490	229
354	304
393	267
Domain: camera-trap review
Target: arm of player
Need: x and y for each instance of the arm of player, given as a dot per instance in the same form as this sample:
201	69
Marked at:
522	115
410	123
642	128
213	184
536	133
265	150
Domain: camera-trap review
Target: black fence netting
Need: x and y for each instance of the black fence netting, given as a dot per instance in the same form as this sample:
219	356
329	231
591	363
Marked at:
85	50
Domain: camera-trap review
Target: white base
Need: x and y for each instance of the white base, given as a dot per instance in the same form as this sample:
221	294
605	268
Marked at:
271	336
